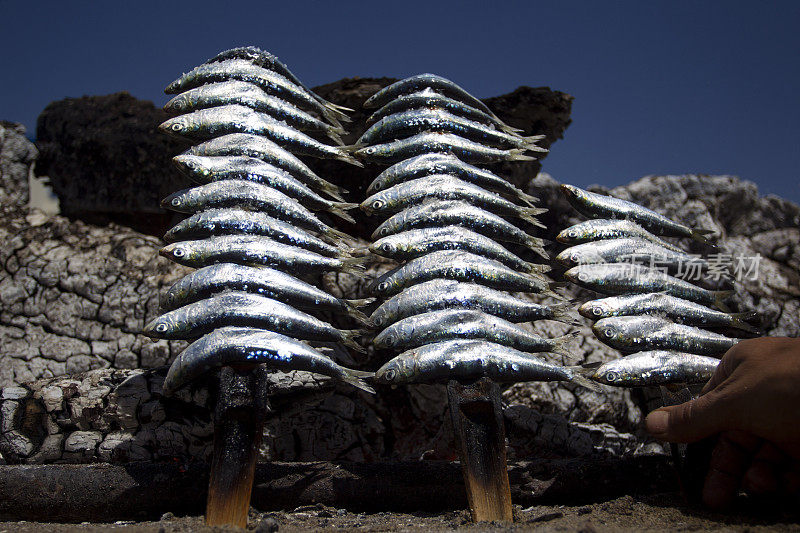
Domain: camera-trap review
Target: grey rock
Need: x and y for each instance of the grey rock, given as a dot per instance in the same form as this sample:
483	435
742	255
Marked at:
17	155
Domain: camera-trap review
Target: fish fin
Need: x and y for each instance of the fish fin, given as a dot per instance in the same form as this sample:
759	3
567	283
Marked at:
527	198
719	297
356	379
675	393
580	377
564	312
335	233
538	268
339	211
592	366
738	321
508	129
337	107
532	147
534	211
360	302
560	345
348	339
518	154
533	138
523	214
332	190
347	158
354	265
699	235
332	135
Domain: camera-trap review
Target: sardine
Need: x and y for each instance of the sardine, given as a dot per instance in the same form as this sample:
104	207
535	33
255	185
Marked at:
268	80
656	367
268	282
622	278
428	98
639	333
469	360
206	124
245	144
425	81
257	250
245	309
600	229
447	324
235	221
414	121
632	250
418	242
595	205
207	169
238	346
460	266
439	294
447	213
423	143
252	96
270	61
428	164
247	194
662	304
444	187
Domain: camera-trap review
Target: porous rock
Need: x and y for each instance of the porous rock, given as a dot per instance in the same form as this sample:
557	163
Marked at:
17	154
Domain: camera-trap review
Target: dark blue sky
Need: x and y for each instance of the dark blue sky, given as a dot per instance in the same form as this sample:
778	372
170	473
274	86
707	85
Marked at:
659	87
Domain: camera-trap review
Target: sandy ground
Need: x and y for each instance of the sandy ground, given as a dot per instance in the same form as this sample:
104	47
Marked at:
649	513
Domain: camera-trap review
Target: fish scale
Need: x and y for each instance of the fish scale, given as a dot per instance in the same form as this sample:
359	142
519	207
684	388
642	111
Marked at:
243	304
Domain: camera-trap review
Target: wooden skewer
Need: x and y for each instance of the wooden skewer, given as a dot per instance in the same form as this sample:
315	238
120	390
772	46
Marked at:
238	423
478	424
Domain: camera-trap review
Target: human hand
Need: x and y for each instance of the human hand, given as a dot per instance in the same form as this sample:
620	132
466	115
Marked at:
752	403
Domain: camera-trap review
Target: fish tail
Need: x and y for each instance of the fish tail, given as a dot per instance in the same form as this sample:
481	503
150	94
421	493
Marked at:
518	154
332	113
360	302
564	312
527	198
523	214
508	129
738	321
357	315
560	345
343	154
334	136
353	265
340	211
580	376
356	379
719	300
348	339
334	191
334	234
337	107
538	268
699	235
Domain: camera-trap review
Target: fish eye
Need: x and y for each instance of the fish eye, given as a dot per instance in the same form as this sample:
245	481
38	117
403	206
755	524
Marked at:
608	332
390	374
377	204
575	257
572	234
597	310
176	127
583	276
384	285
178	104
175	202
377	321
178	252
611	376
387	247
162	327
371	150
384	231
388	340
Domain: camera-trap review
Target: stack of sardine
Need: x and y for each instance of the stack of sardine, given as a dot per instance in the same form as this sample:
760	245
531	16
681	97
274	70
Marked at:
448	306
661	319
253	232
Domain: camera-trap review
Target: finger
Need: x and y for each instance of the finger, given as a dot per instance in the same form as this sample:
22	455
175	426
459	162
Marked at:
761	478
729	462
690	421
723	370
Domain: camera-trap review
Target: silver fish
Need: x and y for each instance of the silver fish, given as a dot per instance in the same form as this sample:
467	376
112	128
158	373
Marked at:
662	304
447	324
247	194
234	221
414	121
595	205
243	309
446	213
257	250
268	80
638	333
268	282
425	81
622	278
237	346
632	250
252	96
600	229
206	169
245	144
656	367
428	98
460	266
209	123
444	187
428	164
269	61
439	294
422	143
417	242
471	359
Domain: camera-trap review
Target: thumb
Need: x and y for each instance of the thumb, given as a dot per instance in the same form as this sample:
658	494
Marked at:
690	421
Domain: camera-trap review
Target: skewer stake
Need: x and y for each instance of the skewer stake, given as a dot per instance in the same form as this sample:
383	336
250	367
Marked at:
478	425
238	423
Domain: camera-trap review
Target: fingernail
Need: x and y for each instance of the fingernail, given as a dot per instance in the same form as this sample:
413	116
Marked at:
657	423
